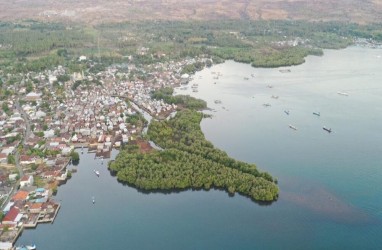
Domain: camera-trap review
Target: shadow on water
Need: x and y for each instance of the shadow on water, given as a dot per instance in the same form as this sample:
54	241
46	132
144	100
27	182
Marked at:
326	204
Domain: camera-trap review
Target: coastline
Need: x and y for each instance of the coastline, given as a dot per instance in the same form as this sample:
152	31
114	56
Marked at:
293	216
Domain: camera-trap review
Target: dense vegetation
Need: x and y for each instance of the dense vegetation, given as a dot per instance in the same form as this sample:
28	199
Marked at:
185	101
34	46
190	161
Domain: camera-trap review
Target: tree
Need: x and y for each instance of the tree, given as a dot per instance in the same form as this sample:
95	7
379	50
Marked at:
75	157
11	159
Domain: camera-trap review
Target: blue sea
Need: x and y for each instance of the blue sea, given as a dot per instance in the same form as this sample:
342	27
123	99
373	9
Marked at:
330	183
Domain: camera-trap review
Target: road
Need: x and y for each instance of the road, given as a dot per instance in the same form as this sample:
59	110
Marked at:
27	133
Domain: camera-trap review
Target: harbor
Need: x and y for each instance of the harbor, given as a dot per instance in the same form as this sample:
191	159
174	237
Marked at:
313	200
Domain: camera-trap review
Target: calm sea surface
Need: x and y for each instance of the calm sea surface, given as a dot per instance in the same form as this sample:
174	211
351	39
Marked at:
330	183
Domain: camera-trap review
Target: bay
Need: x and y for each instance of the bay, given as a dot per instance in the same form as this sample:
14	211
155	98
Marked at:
329	183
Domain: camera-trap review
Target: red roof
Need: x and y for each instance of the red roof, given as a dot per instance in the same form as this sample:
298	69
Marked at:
25	178
25	158
20	195
11	215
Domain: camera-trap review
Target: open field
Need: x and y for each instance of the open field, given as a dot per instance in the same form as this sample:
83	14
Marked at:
97	11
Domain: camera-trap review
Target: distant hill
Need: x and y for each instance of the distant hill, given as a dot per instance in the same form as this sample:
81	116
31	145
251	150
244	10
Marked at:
97	11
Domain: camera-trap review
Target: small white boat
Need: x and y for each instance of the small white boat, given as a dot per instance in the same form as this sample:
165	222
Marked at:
31	247
218	101
343	93
316	113
275	97
286	112
93	199
96	172
27	247
266	105
292	127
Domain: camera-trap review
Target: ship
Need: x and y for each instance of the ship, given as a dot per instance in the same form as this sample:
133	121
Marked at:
329	130
292	127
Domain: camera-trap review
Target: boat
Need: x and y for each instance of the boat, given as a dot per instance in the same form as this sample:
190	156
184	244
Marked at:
253	75
316	113
343	93
96	172
31	247
93	199
270	86
218	101
292	127
246	78
275	96
286	112
329	130
26	247
266	105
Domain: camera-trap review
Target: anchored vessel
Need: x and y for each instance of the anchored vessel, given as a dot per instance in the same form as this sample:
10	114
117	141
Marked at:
343	93
329	130
96	172
292	127
26	247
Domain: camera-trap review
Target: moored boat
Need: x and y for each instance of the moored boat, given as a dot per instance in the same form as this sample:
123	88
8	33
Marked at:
31	247
316	113
26	247
292	127
286	112
343	93
96	172
329	130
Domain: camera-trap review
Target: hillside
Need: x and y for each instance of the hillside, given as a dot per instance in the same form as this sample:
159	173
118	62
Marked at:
97	11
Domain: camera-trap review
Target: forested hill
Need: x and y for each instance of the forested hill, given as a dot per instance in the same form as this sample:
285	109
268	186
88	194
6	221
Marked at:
97	11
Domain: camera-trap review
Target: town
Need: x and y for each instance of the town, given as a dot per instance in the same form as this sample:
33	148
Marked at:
48	117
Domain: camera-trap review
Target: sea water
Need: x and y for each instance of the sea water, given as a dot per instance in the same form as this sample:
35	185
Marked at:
330	183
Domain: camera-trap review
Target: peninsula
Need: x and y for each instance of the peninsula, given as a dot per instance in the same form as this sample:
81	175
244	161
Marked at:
65	84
